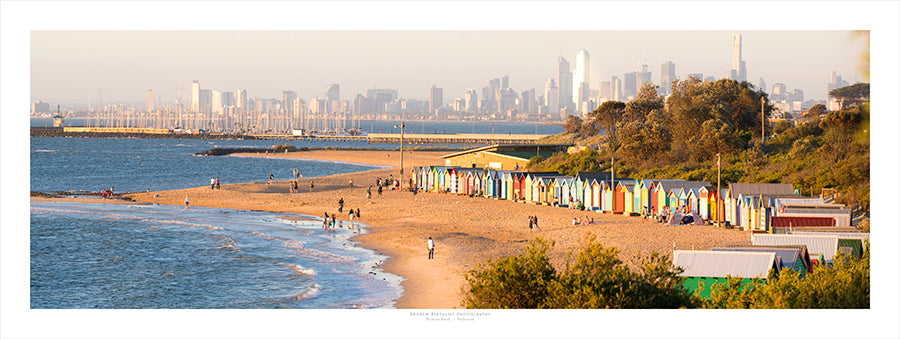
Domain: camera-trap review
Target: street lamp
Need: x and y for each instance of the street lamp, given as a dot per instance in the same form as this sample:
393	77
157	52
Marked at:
401	152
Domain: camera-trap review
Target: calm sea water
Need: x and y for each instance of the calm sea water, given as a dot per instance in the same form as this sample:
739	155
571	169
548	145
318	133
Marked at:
155	256
133	165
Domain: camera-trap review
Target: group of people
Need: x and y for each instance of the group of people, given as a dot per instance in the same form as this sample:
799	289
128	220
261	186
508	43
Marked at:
583	221
295	174
214	183
108	193
391	182
665	215
533	223
330	221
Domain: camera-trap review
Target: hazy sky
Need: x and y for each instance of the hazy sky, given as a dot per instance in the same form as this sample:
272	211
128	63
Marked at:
65	65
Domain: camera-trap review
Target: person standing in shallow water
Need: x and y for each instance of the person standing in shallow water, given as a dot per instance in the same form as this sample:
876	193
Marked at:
430	248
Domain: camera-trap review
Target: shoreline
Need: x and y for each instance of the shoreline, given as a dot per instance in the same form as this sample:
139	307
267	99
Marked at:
467	231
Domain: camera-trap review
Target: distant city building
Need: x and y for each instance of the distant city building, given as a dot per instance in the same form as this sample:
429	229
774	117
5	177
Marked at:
666	76
698	76
40	107
505	82
333	94
779	89
317	106
471	100
642	76
205	95
836	82
287	101
216	103
738	66
710	78
564	81
629	86
195	96
551	94
616	87
762	85
150	103
435	99
604	91
582	76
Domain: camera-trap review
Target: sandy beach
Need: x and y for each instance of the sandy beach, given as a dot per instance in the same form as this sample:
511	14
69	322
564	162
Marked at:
467	231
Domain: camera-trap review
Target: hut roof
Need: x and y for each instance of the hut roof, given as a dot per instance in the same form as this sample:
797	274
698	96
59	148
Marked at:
724	263
788	255
738	189
816	244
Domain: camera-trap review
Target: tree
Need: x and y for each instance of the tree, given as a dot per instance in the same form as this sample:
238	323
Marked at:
607	117
573	124
816	110
646	101
851	95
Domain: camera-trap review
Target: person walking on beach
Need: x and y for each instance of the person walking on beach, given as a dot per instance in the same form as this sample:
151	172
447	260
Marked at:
218	187
357	212
369	192
311	186
430	248
271	178
186	202
341	205
212	183
379	191
351	185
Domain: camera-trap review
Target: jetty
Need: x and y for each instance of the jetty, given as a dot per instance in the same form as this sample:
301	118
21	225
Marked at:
371	138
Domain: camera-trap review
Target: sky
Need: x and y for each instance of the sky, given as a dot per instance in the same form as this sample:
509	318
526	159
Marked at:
69	65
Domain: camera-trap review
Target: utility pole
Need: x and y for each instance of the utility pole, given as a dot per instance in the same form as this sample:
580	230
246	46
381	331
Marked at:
402	125
719	207
763	112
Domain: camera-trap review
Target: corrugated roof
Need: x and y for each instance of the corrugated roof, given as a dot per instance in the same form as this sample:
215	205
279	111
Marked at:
816	244
840	235
720	264
669	185
760	189
782	221
524	155
586	176
788	255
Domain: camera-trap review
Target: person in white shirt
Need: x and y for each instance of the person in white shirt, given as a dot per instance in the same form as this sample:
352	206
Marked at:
430	248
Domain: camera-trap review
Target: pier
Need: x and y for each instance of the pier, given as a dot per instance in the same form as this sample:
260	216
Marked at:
371	138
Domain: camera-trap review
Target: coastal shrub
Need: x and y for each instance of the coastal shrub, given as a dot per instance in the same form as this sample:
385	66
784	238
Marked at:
519	281
596	278
842	284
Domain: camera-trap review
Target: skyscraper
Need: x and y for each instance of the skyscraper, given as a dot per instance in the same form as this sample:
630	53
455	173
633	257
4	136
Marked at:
551	95
738	67
630	86
471	100
435	99
582	77
204	101
564	77
150	104
287	101
505	82
195	96
642	76
605	91
615	85
666	76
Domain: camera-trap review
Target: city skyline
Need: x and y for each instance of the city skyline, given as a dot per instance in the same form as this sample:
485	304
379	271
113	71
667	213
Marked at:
362	60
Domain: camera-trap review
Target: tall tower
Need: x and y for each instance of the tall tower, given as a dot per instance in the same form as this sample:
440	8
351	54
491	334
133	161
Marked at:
195	96
287	101
150	104
738	68
582	76
666	76
564	75
435	99
551	94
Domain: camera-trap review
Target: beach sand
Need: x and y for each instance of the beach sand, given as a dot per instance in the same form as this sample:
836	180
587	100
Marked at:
467	231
